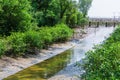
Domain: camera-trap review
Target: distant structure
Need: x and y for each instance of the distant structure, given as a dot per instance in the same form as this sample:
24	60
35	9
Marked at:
103	21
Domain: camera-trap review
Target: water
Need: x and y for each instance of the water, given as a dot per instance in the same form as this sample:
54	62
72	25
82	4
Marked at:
63	63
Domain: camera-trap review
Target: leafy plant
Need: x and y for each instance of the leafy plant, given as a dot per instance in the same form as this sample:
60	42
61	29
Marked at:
63	32
46	36
15	16
33	39
17	46
103	63
3	47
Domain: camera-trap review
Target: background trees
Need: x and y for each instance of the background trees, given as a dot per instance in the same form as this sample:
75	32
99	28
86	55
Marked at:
20	15
52	12
84	6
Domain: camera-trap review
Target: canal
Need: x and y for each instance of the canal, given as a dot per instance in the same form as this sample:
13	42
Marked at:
64	65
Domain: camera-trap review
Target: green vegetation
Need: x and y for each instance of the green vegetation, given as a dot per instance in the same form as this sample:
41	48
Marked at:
17	44
27	25
84	6
57	11
103	63
2	46
14	16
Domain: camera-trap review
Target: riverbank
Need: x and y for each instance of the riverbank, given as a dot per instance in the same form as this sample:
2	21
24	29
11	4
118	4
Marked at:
10	66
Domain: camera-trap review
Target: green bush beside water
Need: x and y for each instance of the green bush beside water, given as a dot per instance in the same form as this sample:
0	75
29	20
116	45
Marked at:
2	46
103	63
17	44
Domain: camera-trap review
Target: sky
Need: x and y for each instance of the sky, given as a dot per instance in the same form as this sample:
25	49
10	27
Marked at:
104	8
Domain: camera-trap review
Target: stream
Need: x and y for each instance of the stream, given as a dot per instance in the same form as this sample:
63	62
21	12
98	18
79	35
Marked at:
63	66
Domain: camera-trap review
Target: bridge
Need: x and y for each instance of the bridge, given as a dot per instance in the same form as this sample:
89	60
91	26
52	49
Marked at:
104	21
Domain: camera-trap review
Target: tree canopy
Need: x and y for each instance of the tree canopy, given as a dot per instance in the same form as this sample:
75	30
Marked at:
59	11
20	15
84	6
14	16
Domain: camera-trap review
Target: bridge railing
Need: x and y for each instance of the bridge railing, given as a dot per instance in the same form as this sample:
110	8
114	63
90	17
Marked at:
105	21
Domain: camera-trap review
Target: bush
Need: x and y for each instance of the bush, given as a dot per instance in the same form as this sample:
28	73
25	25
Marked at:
115	37
45	33
61	33
19	43
3	46
33	39
15	16
103	63
58	33
17	46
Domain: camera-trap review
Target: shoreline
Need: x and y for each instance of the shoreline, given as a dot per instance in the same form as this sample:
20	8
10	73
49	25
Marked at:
10	66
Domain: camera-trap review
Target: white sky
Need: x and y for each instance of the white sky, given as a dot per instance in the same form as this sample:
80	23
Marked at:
104	8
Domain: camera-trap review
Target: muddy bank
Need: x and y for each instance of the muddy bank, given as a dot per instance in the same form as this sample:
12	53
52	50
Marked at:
10	66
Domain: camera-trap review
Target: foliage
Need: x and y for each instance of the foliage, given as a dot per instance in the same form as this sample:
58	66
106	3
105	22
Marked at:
16	44
45	12
58	33
84	6
22	15
115	37
64	33
57	11
103	63
36	23
33	39
15	16
45	33
2	46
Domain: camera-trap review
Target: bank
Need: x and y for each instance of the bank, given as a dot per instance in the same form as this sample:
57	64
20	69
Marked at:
10	66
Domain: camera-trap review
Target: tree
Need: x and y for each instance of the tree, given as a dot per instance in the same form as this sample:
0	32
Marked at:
44	12
51	12
84	6
14	16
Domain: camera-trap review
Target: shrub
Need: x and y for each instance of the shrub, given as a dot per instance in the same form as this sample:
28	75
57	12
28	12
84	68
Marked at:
15	16
18	43
46	36
63	32
33	39
2	46
115	37
58	33
17	46
103	63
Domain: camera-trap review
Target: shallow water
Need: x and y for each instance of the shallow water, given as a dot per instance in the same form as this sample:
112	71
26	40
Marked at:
59	64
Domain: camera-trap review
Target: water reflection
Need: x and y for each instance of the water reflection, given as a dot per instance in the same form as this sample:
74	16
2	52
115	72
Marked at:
45	69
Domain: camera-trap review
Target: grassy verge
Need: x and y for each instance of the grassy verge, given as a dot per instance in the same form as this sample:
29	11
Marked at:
18	44
103	63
